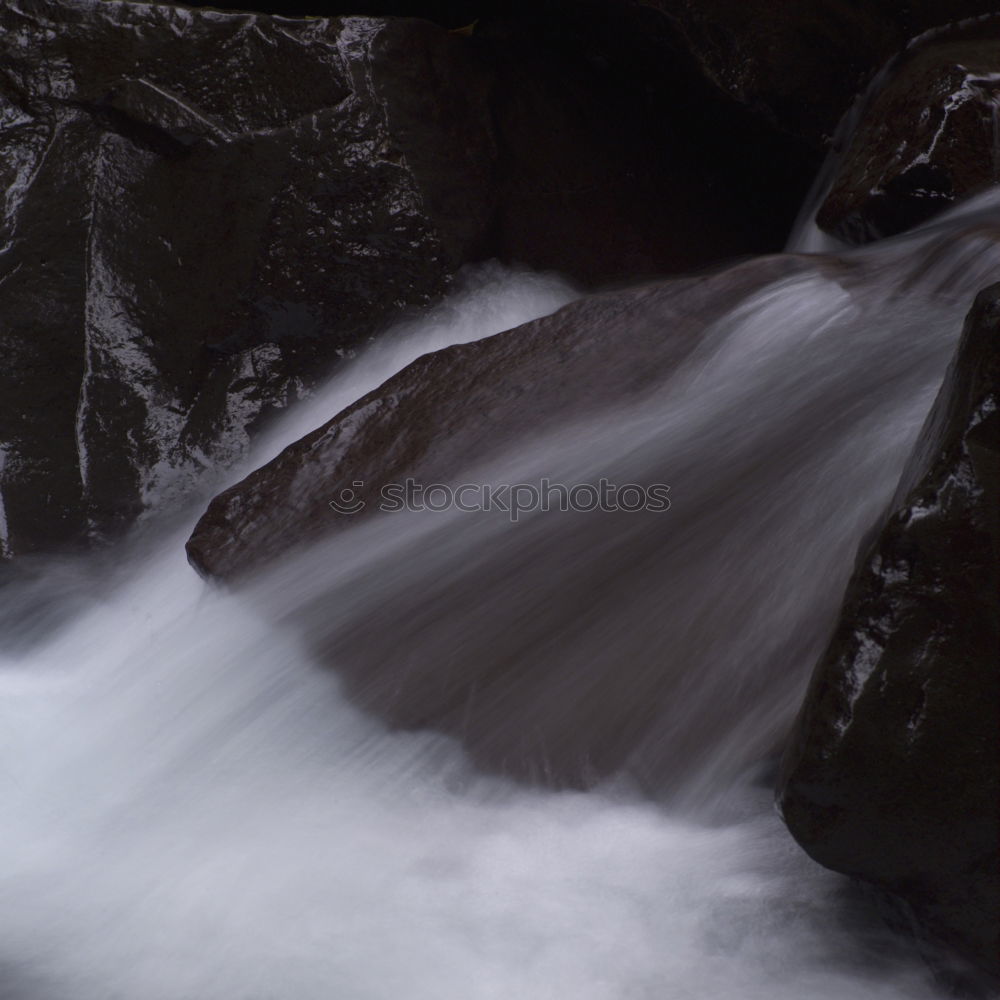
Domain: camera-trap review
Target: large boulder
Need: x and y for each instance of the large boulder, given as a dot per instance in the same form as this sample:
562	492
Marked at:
927	139
203	212
892	774
456	408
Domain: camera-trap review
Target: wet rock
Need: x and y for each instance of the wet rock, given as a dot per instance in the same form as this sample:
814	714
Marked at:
801	64
696	129
453	14
928	139
458	407
892	774
203	212
206	211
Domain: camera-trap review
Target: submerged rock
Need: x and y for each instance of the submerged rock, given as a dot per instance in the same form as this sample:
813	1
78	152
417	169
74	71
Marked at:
892	774
929	138
573	643
203	212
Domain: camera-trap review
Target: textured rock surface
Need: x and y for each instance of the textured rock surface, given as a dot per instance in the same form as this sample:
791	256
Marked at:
801	64
202	212
453	409
450	13
893	772
797	63
929	138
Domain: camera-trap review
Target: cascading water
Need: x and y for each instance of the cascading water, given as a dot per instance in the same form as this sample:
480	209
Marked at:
673	644
193	809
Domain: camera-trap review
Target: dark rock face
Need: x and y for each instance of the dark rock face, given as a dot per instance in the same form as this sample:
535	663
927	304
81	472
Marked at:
706	119
928	139
616	155
796	63
801	64
449	13
203	212
893	772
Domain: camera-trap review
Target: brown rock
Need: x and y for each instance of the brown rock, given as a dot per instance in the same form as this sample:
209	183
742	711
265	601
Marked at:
928	139
458	407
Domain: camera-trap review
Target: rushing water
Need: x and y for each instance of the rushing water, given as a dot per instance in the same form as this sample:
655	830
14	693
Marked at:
193	809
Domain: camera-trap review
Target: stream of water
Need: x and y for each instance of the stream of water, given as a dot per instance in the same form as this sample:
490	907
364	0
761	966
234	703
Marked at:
192	809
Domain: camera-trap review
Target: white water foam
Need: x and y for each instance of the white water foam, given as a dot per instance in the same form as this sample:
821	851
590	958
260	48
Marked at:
190	811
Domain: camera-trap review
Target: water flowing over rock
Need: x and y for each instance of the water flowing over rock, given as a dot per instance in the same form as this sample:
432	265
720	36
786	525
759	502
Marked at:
929	138
203	211
893	773
567	645
597	548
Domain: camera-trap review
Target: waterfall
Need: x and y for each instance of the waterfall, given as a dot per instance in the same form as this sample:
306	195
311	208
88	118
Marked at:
194	808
